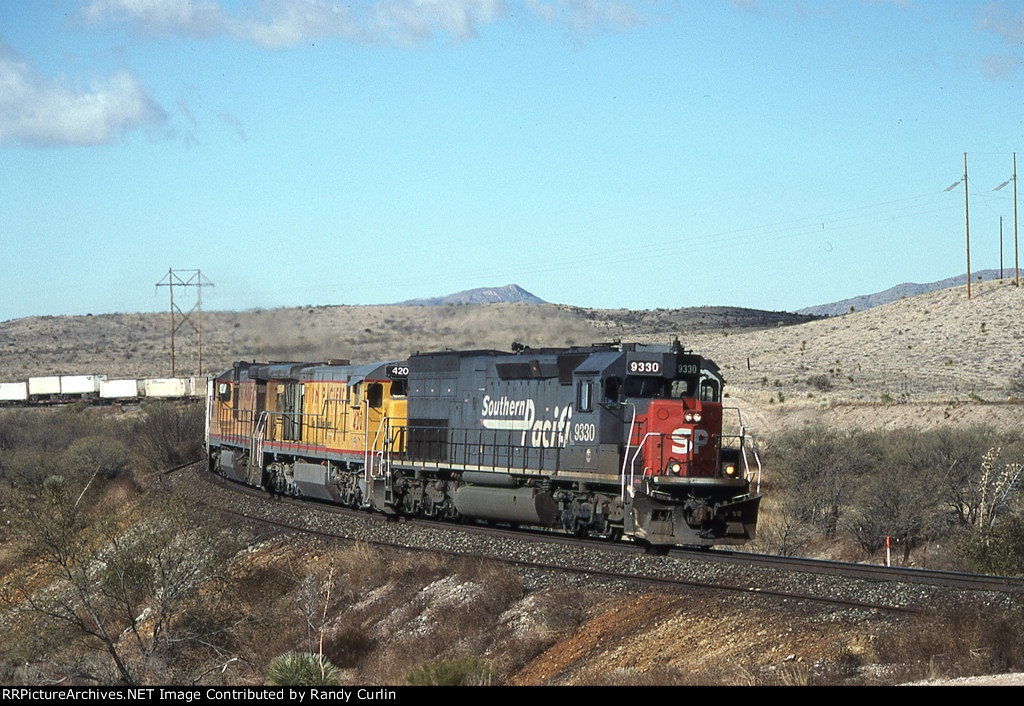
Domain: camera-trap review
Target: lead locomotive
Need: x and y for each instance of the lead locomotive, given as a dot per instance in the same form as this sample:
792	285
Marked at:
606	440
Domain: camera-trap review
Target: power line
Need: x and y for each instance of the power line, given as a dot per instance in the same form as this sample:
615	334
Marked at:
186	278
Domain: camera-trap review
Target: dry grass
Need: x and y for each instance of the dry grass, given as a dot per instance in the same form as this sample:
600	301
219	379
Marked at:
936	347
955	641
138	345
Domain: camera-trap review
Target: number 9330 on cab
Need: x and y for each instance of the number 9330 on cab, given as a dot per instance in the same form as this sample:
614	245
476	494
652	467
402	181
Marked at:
611	440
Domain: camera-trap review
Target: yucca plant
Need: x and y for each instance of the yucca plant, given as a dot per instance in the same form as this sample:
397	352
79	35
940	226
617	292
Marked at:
302	669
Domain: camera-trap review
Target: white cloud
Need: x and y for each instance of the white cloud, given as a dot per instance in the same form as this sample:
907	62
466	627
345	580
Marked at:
1000	20
996	67
195	18
1008	24
295	22
37	110
583	17
407	22
285	23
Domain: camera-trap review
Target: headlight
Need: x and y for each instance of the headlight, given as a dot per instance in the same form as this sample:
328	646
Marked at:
692	416
674	467
730	470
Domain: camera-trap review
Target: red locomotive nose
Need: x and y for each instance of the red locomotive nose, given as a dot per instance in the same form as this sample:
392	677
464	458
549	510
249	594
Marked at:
682	438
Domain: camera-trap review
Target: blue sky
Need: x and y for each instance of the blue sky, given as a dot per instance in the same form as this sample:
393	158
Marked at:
633	154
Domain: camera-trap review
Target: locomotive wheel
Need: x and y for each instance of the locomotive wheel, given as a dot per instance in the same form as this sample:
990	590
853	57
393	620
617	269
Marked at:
653	549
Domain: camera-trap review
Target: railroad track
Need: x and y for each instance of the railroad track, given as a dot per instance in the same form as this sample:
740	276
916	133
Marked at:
837	584
875	572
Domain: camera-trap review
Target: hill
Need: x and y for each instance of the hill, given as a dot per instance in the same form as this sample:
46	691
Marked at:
783	369
138	345
509	294
900	291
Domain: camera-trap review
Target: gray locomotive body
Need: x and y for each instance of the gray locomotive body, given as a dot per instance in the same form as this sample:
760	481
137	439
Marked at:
602	440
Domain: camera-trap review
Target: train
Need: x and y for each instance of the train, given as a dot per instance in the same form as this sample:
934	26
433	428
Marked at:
618	440
51	389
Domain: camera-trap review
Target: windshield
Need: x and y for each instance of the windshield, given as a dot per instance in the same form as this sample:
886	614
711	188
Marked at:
658	388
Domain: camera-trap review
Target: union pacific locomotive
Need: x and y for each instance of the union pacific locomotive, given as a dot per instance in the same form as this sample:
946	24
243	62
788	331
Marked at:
607	440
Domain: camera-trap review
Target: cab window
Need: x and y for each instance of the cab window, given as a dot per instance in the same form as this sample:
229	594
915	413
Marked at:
710	391
375	394
612	387
584	401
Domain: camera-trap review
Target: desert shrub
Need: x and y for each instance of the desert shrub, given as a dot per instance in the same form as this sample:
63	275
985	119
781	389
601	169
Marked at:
459	671
27	467
75	441
1015	388
302	669
997	550
105	457
818	469
910	485
960	640
53	430
168	435
348	645
820	382
100	578
781	529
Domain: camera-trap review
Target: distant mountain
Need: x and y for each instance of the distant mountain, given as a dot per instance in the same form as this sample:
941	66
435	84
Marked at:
484	295
907	289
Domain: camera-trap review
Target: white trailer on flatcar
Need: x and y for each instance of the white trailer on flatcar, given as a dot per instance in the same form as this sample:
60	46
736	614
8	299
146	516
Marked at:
166	387
44	386
81	385
13	392
197	387
121	389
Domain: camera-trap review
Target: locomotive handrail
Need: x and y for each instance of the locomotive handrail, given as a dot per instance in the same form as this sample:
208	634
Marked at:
632	462
367	451
747	468
746	463
625	453
475	448
256	452
370	452
739	416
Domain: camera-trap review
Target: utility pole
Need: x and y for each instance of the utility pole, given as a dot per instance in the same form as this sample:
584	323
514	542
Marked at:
1016	258
186	278
1017	272
967	216
1000	248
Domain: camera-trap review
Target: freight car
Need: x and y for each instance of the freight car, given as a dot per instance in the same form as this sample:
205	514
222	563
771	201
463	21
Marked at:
52	389
608	440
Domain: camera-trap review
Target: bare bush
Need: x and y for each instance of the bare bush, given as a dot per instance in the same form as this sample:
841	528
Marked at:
998	549
140	604
961	640
906	485
169	435
1015	388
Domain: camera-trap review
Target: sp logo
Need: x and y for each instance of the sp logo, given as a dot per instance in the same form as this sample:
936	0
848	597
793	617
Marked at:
686	440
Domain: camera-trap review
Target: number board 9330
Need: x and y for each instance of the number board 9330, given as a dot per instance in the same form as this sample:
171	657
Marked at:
644	367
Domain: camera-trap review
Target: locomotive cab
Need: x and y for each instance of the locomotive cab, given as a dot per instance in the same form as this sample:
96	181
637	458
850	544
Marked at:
677	449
